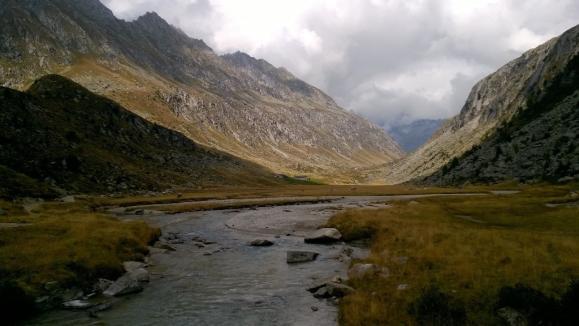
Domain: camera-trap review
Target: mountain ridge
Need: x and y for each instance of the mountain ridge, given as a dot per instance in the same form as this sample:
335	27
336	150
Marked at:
493	101
59	137
245	107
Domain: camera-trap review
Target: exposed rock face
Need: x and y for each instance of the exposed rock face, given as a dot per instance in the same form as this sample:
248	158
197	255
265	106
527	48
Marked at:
235	103
493	101
59	136
540	143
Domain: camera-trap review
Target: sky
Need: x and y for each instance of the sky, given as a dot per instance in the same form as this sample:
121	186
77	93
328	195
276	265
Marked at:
391	61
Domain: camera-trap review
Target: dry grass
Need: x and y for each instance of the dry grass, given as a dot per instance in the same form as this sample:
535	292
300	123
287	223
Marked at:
187	195
468	247
68	244
234	204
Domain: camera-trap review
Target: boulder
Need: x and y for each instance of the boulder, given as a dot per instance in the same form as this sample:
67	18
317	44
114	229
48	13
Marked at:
362	270
77	305
140	212
126	284
333	290
261	243
324	236
130	266
102	285
294	257
140	274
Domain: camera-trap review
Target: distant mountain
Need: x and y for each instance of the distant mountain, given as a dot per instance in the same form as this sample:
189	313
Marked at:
235	103
493	102
413	135
58	138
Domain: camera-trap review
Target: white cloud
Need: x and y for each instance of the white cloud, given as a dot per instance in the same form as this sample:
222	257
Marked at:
390	60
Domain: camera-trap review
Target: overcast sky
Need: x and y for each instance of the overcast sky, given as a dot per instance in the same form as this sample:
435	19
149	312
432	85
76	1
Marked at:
392	61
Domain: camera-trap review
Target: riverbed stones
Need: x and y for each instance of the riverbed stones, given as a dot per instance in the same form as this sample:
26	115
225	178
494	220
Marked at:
333	290
77	305
294	257
324	236
102	285
126	284
261	243
130	266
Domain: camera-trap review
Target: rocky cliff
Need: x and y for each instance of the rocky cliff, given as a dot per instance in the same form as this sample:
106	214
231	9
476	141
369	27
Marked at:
540	143
59	138
494	101
234	103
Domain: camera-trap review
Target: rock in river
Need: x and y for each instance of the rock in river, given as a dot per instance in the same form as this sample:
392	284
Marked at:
130	266
294	257
324	236
77	305
333	290
261	243
127	284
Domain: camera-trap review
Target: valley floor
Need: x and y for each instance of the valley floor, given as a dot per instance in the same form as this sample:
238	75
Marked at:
455	253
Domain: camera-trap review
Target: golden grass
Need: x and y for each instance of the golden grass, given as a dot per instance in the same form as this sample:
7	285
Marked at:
468	247
188	195
68	244
237	204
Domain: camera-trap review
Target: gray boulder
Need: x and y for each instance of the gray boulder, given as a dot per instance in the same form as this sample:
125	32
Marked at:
324	236
140	274
294	257
77	305
333	290
126	284
261	243
130	266
102	285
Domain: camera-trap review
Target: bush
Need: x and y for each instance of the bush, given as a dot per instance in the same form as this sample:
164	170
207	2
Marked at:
434	307
533	304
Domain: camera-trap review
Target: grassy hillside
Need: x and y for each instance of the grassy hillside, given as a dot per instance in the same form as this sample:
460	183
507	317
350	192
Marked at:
58	137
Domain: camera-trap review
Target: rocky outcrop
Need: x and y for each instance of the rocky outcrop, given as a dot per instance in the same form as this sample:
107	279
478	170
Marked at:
236	103
540	143
492	103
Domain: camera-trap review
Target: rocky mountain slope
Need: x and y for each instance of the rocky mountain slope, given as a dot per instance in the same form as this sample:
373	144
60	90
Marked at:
540	143
415	134
58	137
234	103
492	102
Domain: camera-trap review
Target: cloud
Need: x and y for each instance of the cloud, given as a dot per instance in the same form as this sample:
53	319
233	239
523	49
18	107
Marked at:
392	61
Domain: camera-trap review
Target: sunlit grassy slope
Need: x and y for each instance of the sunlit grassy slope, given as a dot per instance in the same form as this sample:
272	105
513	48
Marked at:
467	249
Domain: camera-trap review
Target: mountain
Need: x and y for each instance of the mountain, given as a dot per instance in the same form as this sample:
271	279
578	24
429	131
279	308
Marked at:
540	143
493	102
413	135
234	103
58	137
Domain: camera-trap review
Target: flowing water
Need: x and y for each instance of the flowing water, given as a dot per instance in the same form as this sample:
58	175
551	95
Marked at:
228	282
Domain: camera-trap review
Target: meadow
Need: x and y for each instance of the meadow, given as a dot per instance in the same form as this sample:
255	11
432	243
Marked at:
457	261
